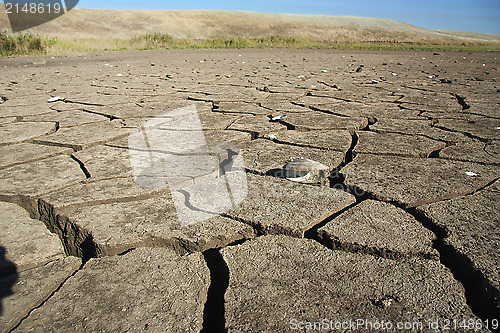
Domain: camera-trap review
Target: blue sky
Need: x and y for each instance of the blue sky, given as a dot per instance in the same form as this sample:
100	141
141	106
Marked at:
465	15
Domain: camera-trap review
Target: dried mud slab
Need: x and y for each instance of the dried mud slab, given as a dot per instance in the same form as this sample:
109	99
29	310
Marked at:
68	118
371	111
107	161
23	131
416	127
323	121
430	101
27	242
470	150
483	128
380	229
284	106
145	289
227	136
216	120
30	288
336	140
298	280
116	227
34	178
99	191
85	136
396	144
415	181
28	152
242	108
276	205
472	225
256	125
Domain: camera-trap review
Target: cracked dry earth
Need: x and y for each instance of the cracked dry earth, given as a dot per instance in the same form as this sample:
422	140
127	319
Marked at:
407	232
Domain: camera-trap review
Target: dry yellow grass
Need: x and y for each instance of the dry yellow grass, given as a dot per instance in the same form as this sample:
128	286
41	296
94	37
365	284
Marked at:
111	29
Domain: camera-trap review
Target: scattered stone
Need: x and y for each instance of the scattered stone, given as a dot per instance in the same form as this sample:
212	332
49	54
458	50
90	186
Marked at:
27	242
379	229
298	280
278	118
145	289
269	201
415	181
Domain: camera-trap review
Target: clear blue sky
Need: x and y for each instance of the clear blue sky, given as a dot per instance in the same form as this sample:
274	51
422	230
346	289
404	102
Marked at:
465	15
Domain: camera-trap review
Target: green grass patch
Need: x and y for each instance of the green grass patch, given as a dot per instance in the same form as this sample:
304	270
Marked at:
29	44
24	44
158	41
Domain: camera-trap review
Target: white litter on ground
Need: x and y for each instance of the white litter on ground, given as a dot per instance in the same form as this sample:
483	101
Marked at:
55	99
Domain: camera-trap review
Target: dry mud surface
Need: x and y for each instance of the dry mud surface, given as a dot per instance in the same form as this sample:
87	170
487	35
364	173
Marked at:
406	234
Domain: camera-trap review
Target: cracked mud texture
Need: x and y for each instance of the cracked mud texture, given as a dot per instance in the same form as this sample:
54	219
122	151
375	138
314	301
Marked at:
424	153
300	279
28	242
267	207
379	228
411	182
30	288
146	289
472	227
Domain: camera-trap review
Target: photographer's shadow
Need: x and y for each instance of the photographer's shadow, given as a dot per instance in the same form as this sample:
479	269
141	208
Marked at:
8	277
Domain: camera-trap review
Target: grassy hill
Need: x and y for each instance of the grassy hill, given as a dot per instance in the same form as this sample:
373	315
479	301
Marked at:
86	29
